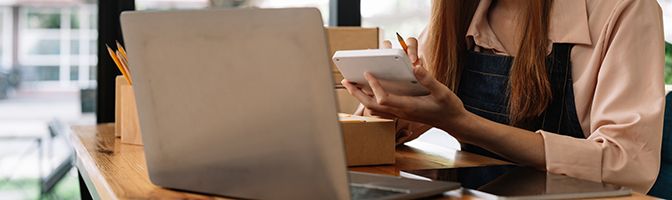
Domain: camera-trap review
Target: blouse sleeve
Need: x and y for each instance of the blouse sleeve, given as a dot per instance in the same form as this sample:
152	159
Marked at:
626	114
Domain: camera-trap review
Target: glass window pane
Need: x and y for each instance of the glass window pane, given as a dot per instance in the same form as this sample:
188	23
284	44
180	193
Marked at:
93	72
47	73
93	18
43	19
40	73
408	18
74	20
171	4
93	47
45	47
323	5
2	31
74	47
74	73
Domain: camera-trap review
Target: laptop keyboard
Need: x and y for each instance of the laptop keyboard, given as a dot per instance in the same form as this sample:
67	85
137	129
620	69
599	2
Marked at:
361	192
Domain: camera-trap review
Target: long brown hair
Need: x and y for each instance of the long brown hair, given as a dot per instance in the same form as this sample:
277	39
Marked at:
529	87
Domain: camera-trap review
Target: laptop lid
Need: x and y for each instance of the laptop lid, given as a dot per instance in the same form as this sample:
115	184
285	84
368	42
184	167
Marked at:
237	102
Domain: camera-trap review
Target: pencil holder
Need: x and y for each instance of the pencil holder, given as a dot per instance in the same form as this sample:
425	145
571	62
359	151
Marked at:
126	113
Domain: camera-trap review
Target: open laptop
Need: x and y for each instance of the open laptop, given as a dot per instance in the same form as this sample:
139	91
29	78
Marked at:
241	103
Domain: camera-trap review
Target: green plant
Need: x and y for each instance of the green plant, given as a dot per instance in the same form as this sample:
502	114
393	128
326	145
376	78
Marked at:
668	63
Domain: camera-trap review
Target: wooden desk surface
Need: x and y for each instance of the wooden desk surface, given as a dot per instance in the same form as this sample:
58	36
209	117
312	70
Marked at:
112	170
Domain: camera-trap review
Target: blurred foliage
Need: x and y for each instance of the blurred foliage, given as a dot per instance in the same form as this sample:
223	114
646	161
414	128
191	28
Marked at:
668	63
28	188
44	20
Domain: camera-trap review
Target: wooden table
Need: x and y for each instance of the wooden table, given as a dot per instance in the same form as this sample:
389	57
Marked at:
111	170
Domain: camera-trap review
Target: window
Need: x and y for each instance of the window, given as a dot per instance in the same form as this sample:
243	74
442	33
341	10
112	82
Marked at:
323	5
171	4
666	5
45	47
62	37
74	73
5	39
43	18
93	73
408	18
40	73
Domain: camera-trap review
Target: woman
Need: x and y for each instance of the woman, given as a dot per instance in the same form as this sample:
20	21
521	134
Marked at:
571	86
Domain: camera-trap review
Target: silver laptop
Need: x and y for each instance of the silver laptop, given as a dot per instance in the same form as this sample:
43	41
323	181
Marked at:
241	103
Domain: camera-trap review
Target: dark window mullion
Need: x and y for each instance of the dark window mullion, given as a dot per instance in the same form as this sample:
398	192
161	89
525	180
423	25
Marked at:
109	31
345	13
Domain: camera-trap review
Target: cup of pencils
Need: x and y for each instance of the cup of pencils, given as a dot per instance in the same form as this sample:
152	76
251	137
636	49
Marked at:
126	113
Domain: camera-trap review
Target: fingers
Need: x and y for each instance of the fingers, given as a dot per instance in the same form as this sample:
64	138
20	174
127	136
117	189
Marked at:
360	110
412	44
378	91
387	44
357	93
381	96
366	100
383	115
403	136
428	81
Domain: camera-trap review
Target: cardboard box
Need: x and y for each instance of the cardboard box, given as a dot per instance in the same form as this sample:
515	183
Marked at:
346	102
368	140
350	38
126	113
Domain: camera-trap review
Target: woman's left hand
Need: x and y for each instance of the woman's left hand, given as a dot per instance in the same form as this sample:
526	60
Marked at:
441	108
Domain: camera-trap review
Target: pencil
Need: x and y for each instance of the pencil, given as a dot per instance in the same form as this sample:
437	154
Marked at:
121	50
124	64
402	42
118	63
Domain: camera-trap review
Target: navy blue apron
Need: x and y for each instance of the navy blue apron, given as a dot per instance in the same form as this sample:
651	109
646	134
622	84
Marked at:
483	90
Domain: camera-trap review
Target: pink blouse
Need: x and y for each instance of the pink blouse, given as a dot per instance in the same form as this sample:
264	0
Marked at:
617	68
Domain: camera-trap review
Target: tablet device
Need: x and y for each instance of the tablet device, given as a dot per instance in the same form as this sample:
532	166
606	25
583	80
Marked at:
391	67
514	182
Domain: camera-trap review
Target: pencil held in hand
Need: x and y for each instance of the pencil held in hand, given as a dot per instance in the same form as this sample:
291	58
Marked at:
403	43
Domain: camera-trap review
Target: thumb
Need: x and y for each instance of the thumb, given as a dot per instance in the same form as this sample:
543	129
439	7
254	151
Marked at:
427	79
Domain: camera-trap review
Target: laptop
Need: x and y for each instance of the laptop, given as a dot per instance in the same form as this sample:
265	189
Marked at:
241	103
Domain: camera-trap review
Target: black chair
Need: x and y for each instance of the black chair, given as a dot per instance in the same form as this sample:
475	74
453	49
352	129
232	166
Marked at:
663	186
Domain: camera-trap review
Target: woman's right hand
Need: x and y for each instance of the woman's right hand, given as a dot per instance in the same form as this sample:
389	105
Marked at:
415	59
405	130
408	130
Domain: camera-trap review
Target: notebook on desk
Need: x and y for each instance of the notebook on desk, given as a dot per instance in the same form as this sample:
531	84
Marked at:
240	103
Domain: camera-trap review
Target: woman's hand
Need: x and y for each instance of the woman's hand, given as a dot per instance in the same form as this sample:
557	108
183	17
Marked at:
440	108
408	130
361	109
444	110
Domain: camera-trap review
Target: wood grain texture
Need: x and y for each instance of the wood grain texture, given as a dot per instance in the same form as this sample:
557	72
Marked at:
113	170
130	126
116	170
119	81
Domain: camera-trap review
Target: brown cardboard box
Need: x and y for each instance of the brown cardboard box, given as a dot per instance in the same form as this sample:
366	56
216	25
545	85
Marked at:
346	102
350	38
368	140
126	113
